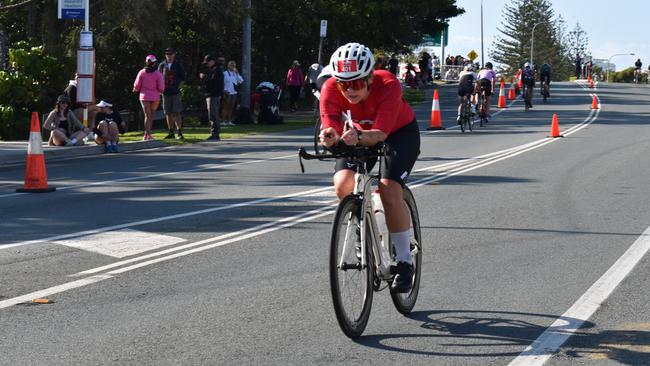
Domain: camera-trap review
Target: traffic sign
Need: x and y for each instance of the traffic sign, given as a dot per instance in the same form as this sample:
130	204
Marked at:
472	55
72	9
323	28
435	39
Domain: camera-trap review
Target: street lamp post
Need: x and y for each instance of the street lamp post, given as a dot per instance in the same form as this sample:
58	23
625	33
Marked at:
532	42
610	58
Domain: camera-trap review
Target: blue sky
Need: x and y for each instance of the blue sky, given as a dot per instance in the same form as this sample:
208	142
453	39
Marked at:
612	27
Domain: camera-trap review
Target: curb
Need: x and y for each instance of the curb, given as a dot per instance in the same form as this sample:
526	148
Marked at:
64	152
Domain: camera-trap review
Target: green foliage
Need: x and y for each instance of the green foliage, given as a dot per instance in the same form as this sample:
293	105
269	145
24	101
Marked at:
413	96
513	47
27	86
626	76
124	33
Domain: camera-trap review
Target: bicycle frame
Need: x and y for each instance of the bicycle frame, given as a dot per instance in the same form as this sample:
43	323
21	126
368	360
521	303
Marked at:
363	190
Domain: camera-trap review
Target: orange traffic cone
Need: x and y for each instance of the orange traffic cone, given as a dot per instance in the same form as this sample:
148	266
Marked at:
555	127
591	84
436	119
502	97
520	84
35	174
511	93
516	84
594	102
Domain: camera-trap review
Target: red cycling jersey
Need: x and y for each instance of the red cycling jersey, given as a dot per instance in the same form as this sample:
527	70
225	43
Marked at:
384	109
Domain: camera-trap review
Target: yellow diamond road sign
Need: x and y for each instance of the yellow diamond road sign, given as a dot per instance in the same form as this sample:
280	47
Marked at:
472	55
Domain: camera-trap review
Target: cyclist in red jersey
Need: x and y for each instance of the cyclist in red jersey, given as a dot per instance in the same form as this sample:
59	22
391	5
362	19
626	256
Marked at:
372	101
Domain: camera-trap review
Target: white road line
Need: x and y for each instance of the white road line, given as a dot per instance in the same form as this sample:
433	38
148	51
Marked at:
547	344
53	290
163	218
235	237
129	179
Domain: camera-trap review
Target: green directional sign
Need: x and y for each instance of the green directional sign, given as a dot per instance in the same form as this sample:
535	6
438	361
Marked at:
434	40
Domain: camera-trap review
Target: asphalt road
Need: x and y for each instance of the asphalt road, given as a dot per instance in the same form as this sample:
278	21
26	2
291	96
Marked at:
216	254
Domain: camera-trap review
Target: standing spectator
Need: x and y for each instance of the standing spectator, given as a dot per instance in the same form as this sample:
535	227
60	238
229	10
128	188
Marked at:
393	65
150	84
65	128
174	74
231	81
435	63
578	62
109	126
423	65
294	84
212	79
78	108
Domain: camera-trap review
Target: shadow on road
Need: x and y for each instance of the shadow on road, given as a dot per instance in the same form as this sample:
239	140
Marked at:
478	333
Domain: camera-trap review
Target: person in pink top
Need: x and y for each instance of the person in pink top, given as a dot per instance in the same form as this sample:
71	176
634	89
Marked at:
150	84
295	78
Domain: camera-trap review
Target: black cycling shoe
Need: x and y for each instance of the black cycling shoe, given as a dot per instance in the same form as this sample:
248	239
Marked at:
170	136
403	281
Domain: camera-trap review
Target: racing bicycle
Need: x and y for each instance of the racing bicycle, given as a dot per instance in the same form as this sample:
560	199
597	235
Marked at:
465	114
361	259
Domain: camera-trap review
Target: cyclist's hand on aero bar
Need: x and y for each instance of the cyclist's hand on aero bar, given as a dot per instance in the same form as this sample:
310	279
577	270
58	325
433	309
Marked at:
351	137
328	137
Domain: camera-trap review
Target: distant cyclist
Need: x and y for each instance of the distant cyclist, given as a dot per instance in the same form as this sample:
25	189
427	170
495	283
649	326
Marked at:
545	78
637	69
528	79
486	79
371	102
466	86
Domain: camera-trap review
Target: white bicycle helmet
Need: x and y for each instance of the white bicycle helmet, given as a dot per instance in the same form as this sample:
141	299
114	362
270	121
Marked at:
352	61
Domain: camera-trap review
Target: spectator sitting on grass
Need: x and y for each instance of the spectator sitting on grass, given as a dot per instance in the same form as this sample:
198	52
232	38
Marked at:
109	127
65	128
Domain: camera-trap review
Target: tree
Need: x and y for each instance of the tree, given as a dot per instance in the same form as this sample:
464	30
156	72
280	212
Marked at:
513	47
578	41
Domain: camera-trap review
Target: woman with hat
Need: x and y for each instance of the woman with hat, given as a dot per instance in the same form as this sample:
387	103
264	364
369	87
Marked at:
150	84
60	123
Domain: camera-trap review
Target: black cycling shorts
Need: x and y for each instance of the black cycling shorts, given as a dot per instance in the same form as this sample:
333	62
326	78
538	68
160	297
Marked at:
485	85
465	89
406	144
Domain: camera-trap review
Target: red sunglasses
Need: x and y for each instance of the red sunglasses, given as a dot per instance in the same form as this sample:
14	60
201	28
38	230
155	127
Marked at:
357	84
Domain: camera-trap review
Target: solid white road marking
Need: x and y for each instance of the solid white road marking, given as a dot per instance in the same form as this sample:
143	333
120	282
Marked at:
121	243
547	344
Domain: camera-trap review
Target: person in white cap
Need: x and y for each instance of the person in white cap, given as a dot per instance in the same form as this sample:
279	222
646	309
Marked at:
109	127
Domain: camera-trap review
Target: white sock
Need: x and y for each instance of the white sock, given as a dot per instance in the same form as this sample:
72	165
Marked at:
402	243
73	141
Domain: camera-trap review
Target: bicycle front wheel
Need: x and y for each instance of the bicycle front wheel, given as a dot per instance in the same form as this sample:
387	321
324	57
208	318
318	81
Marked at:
351	282
405	302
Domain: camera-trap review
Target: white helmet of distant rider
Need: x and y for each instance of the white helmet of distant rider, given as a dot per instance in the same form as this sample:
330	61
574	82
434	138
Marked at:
352	61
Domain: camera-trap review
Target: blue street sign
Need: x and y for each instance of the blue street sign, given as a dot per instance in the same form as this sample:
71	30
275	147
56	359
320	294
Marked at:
73	13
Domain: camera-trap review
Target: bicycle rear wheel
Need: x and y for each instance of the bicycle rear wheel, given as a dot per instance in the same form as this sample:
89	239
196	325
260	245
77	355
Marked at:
351	283
318	148
404	303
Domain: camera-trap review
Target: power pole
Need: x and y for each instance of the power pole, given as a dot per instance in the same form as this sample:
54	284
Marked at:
246	64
